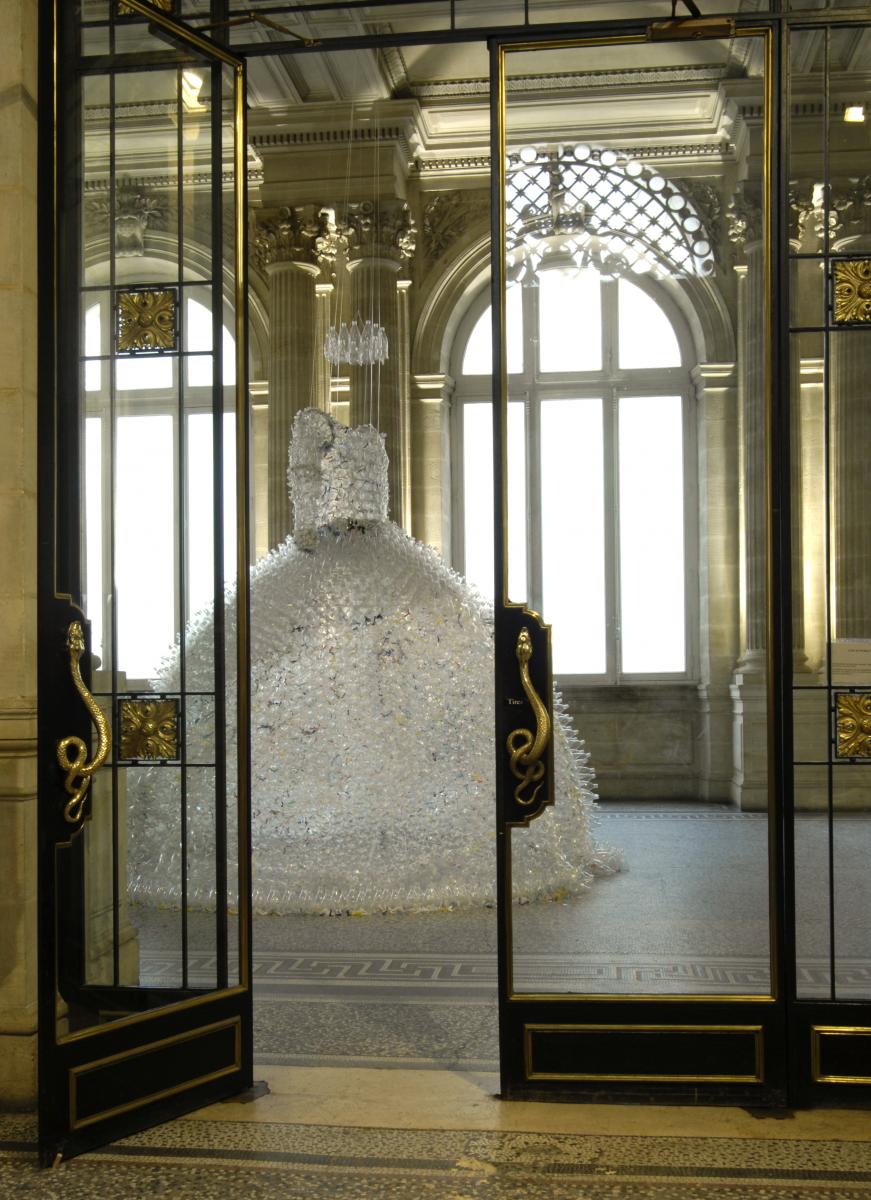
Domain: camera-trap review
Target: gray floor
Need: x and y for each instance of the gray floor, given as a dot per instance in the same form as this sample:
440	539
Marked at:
687	914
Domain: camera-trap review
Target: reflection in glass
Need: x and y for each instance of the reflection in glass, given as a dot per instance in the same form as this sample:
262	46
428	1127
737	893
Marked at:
646	523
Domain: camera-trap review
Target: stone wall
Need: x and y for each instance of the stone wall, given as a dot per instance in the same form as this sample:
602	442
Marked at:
18	342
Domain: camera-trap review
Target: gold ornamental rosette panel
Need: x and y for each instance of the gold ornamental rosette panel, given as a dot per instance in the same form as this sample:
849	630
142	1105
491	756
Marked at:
146	320
853	725
149	729
851	287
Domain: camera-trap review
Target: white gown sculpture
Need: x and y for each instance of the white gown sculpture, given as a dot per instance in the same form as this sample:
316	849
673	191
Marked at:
372	721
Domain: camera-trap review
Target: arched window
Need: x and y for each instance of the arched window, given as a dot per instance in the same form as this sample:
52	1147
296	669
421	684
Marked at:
601	480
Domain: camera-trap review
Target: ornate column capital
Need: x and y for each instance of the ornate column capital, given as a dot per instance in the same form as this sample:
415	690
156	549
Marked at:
744	221
291	234
382	230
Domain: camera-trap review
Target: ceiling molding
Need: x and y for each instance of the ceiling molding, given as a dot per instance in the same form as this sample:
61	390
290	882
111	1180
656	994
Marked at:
640	76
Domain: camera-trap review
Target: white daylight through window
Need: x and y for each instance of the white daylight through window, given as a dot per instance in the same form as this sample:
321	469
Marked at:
600	481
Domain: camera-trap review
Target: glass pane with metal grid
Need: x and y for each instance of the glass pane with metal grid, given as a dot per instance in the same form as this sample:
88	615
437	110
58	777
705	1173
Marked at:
158	340
645	522
831	551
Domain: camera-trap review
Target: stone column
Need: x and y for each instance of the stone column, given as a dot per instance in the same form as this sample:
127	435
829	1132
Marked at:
717	401
375	388
18	349
321	397
749	685
382	238
403	354
431	472
286	249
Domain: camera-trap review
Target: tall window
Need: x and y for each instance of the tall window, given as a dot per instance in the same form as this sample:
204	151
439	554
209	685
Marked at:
146	511
600	470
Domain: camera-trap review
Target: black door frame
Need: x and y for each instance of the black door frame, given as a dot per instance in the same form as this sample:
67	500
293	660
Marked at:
174	1049
811	1034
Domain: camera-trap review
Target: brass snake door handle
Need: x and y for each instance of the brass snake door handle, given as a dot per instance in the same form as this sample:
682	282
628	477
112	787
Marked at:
78	769
525	749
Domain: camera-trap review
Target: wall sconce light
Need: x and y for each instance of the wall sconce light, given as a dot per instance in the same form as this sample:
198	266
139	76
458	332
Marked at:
854	114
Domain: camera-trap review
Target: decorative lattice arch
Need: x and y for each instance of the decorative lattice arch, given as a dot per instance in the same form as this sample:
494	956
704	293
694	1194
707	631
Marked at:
601	205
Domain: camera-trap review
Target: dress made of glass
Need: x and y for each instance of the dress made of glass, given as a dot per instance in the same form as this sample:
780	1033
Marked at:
371	722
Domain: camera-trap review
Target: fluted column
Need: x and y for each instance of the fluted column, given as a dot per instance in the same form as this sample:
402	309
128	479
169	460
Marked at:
431	460
403	354
287	249
716	398
321	397
291	375
753	449
375	388
749	693
382	237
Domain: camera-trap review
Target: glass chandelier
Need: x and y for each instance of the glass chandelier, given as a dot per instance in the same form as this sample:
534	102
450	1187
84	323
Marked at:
360	343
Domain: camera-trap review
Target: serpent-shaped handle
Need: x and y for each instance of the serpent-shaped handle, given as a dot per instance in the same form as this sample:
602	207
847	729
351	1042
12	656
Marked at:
78	769
525	749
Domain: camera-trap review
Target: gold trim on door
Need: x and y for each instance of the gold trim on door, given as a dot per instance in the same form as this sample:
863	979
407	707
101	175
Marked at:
766	34
818	1032
138	1052
631	1077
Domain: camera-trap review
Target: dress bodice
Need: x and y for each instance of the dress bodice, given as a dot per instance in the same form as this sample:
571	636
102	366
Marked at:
337	476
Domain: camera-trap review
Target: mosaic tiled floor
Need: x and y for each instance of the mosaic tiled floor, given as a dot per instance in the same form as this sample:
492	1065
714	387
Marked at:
209	1159
688	914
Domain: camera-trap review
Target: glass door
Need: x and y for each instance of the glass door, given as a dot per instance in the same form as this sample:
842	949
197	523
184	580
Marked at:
636	722
830	349
144	857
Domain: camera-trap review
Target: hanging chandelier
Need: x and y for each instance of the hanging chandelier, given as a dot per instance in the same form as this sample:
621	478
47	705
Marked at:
358	343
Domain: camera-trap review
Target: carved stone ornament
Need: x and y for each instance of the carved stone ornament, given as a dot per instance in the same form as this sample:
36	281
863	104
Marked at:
447	216
332	240
288	236
381	230
744	221
134	213
853	724
146	320
851	288
149	729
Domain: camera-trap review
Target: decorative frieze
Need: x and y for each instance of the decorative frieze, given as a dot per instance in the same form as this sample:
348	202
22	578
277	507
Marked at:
447	216
316	235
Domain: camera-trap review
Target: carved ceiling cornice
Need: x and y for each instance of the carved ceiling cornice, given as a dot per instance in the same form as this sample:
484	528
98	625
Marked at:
566	81
199	180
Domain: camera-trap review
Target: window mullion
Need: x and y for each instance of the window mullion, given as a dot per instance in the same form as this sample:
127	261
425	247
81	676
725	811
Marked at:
610	426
